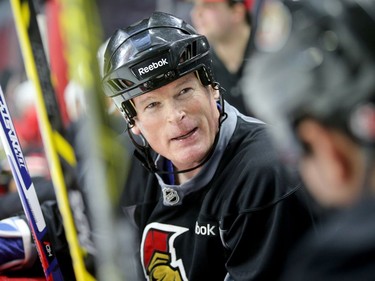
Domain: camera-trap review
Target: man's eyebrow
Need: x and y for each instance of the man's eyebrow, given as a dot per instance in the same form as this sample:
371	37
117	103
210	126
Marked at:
145	100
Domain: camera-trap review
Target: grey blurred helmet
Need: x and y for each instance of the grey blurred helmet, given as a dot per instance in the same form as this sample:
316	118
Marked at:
315	58
150	54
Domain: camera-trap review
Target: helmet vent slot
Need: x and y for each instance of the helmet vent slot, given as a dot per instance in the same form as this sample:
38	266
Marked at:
188	53
120	84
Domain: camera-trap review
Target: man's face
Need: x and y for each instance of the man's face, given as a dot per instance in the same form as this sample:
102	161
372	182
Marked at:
179	120
214	19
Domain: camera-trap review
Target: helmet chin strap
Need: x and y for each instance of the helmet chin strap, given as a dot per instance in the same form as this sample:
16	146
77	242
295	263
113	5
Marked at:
143	152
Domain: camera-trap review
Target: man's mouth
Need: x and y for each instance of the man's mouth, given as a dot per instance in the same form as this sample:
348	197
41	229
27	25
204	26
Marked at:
186	135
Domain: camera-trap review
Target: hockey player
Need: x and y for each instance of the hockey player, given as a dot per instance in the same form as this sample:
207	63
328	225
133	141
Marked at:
213	202
321	100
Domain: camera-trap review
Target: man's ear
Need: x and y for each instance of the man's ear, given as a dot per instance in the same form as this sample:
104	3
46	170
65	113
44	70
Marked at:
135	130
215	93
327	144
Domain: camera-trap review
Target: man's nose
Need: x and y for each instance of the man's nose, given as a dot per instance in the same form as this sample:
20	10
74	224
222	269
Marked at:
176	112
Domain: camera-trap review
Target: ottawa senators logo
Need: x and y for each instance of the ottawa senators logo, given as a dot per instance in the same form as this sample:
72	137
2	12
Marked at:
158	254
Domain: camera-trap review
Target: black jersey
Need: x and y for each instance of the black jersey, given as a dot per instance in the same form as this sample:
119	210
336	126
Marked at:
237	219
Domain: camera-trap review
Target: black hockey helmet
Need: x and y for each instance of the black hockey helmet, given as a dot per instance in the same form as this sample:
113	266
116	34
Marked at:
150	54
316	58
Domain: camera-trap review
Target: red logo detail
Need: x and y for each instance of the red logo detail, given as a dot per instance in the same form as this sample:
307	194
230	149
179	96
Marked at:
158	253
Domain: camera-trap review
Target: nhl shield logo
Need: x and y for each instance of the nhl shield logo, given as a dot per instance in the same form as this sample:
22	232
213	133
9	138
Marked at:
170	196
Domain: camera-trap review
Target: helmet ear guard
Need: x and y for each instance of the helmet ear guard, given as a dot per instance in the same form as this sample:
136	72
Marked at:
204	77
129	112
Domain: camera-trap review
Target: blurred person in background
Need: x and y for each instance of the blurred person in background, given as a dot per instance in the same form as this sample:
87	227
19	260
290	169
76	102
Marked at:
228	26
313	79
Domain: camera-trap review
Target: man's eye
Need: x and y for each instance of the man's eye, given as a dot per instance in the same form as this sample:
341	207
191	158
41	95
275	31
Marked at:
185	91
151	105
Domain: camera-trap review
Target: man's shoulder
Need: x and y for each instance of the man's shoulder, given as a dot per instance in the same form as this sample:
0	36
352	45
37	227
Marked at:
251	142
251	170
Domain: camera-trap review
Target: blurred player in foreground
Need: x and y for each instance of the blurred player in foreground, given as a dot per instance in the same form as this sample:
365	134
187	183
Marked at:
313	80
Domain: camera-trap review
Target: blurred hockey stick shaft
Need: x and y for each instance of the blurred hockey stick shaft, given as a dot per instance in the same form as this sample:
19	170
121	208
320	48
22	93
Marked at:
104	155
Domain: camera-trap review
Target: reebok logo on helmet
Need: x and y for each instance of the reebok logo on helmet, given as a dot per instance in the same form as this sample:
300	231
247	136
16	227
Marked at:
151	67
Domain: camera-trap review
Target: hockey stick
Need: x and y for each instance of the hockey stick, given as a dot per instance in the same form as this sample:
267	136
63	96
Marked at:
27	193
104	154
57	148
